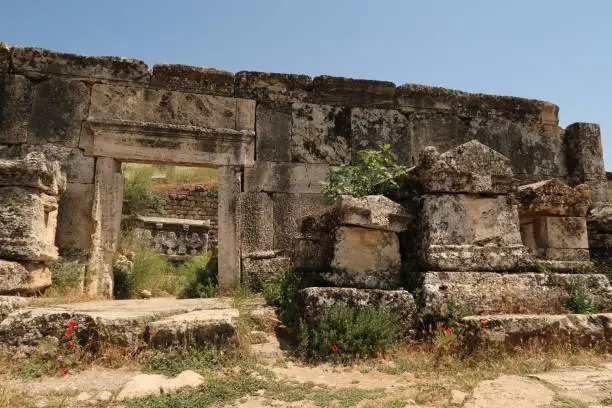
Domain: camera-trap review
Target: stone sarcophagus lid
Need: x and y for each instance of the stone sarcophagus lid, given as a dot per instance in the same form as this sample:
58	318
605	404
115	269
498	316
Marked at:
553	222
354	243
467	218
177	238
29	196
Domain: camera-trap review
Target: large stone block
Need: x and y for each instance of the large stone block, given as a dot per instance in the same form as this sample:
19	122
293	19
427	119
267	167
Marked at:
476	258
38	63
374	212
273	131
32	171
74	218
561	232
320	134
187	78
353	92
58	112
255	223
269	86
496	293
230	182
599	223
313	302
296	178
365	258
553	197
27	224
112	102
16	94
584	154
255	271
23	278
289	210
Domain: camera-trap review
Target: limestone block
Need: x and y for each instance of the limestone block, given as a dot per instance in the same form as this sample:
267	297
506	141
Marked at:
312	302
365	258
38	63
74	218
255	223
187	78
230	182
5	57
496	293
58	111
10	303
561	232
273	130
585	159
553	197
375	212
16	94
33	171
296	178
312	252
353	92
372	128
23	278
160	143
563	254
289	210
112	102
255	271
599	223
476	258
269	86
320	134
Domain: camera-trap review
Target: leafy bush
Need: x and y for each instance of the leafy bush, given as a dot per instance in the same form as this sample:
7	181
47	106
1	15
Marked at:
344	331
176	360
579	301
280	292
375	173
201	276
138	199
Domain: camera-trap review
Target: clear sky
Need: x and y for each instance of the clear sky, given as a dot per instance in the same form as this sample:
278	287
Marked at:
555	50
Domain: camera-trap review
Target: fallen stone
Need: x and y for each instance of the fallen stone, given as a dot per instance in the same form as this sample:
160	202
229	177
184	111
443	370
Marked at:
186	379
553	197
312	302
589	385
197	328
458	397
493	293
9	304
374	211
83	397
104	396
264	318
142	386
511	391
23	278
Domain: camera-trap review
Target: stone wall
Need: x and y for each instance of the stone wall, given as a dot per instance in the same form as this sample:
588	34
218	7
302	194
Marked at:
273	137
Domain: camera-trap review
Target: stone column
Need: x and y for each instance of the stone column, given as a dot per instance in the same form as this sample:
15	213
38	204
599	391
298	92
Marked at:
106	213
585	163
230	186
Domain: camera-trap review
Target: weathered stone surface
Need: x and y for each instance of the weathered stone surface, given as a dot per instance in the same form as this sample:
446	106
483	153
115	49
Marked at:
112	102
585	159
312	302
494	293
245	114
230	182
353	92
23	278
9	304
144	385
511	390
180	145
561	232
521	330
268	86
468	168
476	258
255	271
27	224
296	178
365	258
374	211
75	218
553	197
16	94
38	63
599	223
58	111
372	128
177	238
201	327
203	80
273	130
320	134
256	223
5	57
32	171
265	318
289	210
589	385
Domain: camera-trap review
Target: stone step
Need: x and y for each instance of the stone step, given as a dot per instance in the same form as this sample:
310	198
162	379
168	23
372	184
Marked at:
160	321
507	330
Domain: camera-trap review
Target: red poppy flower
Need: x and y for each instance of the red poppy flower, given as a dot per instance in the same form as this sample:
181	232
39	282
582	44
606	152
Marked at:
70	343
334	348
72	324
64	370
447	330
483	322
68	333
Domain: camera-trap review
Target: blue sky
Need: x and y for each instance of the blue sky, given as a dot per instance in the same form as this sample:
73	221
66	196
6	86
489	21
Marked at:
559	51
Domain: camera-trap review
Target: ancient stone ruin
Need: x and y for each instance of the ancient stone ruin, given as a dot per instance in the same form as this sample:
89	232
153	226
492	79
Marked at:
499	211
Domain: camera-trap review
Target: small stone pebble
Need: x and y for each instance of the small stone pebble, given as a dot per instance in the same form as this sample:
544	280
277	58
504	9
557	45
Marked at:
104	396
83	396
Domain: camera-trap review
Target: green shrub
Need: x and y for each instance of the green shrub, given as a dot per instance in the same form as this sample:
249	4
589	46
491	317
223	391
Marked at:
138	199
280	292
579	301
201	277
344	331
173	361
375	173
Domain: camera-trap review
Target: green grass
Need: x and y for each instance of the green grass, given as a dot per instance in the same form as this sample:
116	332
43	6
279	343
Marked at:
173	175
565	402
174	361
